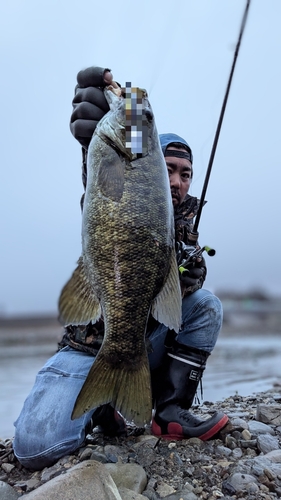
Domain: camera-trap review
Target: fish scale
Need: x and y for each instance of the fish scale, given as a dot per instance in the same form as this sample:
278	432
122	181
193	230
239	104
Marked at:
128	266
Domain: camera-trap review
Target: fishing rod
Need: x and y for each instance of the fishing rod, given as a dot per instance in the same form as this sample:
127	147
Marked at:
193	236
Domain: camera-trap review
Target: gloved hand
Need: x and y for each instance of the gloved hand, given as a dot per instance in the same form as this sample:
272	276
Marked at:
193	275
89	103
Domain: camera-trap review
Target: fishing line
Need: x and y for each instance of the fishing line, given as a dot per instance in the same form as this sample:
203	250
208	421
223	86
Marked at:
194	233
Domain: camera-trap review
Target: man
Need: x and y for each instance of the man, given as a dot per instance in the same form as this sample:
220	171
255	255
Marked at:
44	429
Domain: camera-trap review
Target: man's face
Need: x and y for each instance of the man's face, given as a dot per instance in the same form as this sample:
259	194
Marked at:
179	170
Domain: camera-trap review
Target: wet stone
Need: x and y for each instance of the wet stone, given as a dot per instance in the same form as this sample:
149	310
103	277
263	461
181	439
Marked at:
274	456
267	443
7	467
241	482
203	469
231	442
269	414
86	453
49	473
99	457
7	492
223	450
237	453
250	443
257	428
115	453
240	423
246	435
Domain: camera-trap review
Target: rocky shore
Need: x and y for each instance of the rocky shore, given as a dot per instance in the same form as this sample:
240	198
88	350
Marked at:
244	461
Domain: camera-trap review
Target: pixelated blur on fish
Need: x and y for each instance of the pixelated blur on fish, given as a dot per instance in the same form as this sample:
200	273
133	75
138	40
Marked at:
128	265
136	130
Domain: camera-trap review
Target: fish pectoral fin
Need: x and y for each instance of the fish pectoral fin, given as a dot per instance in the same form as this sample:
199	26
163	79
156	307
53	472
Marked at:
166	307
78	304
111	176
127	389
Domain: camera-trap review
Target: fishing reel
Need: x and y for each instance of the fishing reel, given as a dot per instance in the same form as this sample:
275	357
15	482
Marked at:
188	254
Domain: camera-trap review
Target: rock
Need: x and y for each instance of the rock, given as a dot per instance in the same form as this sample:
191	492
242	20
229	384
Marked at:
250	443
269	414
88	479
130	476
230	442
99	457
181	495
267	443
86	453
257	428
113	453
274	456
130	495
148	438
223	450
237	453
240	423
204	469
195	442
7	467
164	490
246	435
28	485
50	472
145	453
241	482
7	492
260	463
271	476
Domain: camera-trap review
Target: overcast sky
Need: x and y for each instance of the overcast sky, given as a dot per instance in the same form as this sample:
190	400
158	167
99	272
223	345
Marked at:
181	52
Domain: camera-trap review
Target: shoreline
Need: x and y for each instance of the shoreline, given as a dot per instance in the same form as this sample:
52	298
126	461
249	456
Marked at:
244	461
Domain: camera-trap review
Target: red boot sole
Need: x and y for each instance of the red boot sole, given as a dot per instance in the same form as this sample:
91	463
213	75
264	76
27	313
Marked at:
175	431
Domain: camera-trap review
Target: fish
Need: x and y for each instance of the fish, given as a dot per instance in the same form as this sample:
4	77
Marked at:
128	268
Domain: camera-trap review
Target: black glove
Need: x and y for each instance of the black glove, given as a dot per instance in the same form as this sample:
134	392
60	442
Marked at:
89	103
193	277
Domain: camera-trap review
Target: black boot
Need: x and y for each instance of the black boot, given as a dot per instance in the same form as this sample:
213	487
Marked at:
109	420
174	390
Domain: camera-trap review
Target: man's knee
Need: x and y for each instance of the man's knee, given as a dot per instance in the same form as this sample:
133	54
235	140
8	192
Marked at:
34	454
202	302
202	320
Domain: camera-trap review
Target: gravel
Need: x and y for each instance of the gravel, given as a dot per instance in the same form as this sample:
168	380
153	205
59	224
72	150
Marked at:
243	461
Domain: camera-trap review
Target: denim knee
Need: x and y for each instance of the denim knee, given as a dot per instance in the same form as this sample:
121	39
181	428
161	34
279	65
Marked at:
201	320
44	429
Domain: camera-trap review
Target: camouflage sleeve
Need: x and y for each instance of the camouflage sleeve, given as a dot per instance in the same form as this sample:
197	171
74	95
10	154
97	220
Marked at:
86	338
183	226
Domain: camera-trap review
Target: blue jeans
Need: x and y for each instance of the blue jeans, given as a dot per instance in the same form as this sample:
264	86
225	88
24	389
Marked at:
44	430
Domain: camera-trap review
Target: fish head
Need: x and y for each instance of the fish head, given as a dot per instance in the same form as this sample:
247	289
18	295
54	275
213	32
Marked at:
129	125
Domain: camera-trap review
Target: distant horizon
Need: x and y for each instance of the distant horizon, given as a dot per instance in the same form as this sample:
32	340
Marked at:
53	314
182	53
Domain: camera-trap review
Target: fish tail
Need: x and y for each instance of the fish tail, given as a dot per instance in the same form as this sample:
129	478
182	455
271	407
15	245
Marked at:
128	390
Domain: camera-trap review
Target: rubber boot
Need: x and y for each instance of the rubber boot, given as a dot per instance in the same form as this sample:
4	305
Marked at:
174	389
111	423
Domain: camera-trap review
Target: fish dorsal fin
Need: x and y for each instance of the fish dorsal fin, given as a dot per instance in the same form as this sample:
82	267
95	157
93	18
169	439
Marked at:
78	304
166	307
111	176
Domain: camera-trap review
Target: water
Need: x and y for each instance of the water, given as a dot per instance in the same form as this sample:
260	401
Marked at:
239	364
